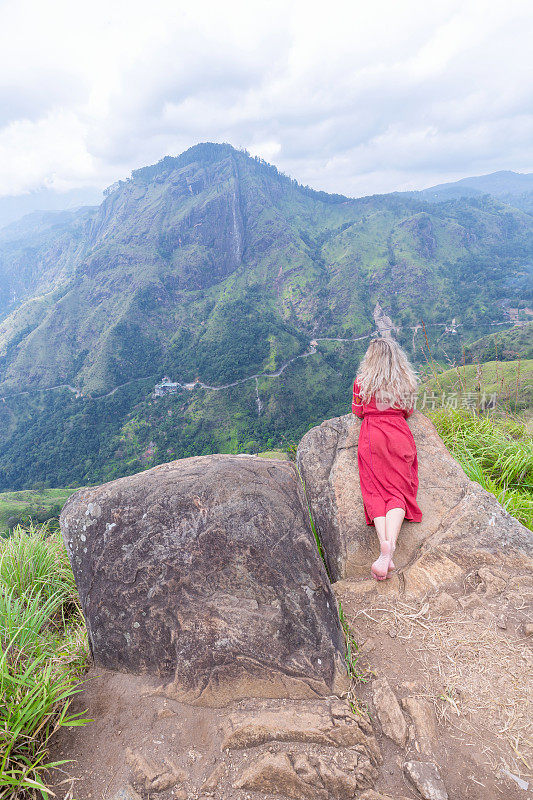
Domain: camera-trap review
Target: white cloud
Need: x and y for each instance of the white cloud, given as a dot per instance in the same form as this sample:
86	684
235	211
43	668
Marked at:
350	97
50	152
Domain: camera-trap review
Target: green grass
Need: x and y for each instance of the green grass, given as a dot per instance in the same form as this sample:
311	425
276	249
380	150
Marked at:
510	381
316	535
43	654
497	452
356	672
280	454
38	505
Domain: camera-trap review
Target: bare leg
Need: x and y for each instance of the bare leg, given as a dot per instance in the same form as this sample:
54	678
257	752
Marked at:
387	528
381	528
380	567
393	522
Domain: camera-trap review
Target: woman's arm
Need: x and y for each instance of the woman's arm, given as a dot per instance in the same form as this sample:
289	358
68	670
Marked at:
357	401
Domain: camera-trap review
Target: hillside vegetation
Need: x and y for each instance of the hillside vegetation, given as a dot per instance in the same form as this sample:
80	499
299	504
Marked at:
495	452
31	505
507	345
215	265
508	383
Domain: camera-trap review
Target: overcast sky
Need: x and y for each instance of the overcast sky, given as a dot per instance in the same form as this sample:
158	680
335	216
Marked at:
351	97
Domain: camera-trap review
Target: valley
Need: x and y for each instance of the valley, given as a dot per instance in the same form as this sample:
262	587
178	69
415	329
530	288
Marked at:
266	402
254	295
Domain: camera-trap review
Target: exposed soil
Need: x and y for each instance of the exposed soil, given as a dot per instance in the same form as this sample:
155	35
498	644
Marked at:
129	713
464	651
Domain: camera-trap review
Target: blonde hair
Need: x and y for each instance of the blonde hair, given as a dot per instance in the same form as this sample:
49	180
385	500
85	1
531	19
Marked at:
386	374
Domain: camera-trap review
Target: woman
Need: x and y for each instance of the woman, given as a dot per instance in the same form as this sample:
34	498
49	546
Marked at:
384	394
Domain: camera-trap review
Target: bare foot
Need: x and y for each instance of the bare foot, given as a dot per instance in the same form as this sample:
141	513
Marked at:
380	567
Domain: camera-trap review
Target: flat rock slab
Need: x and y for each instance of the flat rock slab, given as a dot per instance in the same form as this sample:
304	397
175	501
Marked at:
422	713
389	713
333	726
458	515
127	793
308	777
426	778
205	572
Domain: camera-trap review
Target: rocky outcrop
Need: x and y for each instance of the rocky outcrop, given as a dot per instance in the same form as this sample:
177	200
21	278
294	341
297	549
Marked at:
205	571
458	515
341	754
307	777
388	709
426	778
333	726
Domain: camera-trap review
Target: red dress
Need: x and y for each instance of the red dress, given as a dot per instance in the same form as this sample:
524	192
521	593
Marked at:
387	459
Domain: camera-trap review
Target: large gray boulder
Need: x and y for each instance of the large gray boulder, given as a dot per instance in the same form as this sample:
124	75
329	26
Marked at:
460	518
205	572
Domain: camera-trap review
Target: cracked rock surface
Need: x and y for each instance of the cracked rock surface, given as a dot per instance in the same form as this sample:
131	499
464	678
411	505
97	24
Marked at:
308	777
335	726
425	776
458	514
205	594
205	572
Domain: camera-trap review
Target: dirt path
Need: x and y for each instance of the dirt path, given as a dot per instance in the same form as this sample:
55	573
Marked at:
456	663
145	746
462	655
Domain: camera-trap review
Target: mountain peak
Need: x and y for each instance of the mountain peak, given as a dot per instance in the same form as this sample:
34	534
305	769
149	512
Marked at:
215	269
203	152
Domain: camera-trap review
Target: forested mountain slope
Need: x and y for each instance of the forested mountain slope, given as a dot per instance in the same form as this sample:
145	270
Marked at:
215	265
504	345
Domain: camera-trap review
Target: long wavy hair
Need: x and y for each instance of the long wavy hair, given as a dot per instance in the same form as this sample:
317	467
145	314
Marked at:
386	374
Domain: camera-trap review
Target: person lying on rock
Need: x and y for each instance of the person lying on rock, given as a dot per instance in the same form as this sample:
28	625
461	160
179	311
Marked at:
384	395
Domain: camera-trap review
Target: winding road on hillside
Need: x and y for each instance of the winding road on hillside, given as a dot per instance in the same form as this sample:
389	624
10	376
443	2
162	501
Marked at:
382	330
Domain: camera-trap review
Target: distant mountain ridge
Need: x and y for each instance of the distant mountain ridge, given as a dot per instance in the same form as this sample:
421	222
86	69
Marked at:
149	264
214	265
14	207
513	188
